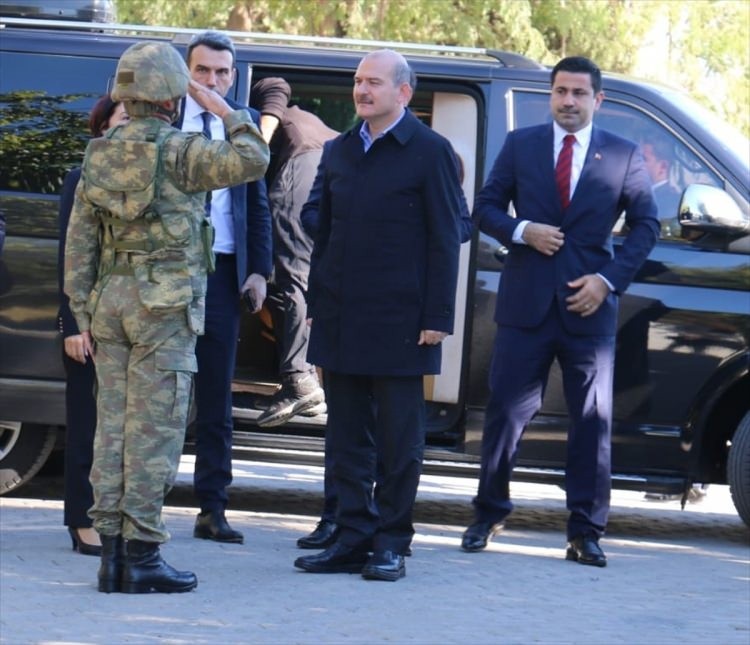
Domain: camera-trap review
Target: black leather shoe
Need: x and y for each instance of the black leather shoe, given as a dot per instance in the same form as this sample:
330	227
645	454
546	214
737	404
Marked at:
384	565
585	549
214	526
324	535
337	558
477	536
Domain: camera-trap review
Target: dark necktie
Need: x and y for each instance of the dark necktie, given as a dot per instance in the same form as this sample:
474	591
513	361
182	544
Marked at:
206	116
562	169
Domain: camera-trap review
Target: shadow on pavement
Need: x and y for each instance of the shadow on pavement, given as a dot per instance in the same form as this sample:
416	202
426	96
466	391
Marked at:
538	514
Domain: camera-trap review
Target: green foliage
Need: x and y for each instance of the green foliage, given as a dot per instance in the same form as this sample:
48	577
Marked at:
710	55
204	14
701	46
603	30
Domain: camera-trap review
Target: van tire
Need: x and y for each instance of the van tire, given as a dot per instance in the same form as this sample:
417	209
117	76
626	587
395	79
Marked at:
24	448
738	469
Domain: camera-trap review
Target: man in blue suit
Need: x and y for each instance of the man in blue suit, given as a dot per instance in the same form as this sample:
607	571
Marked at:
381	298
569	182
242	222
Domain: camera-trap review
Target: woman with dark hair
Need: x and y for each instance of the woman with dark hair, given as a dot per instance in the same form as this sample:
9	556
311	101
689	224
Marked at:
80	416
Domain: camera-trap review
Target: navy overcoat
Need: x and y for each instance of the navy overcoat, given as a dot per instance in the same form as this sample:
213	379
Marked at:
385	259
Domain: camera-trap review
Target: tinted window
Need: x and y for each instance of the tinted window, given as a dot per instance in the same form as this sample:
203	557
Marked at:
332	102
43	119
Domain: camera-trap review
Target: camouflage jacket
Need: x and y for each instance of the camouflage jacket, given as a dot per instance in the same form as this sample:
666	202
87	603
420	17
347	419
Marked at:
119	223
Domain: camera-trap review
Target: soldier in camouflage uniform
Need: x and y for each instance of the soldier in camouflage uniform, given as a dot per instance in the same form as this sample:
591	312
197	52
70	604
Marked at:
138	250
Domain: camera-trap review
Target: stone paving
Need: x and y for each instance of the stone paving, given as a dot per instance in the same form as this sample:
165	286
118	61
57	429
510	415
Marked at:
673	576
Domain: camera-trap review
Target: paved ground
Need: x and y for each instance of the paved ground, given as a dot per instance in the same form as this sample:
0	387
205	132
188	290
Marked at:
674	576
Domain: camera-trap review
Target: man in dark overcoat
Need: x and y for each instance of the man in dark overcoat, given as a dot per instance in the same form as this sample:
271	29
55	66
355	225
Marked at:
381	300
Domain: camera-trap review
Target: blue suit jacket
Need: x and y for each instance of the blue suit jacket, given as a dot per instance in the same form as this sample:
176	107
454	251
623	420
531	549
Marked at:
613	179
252	218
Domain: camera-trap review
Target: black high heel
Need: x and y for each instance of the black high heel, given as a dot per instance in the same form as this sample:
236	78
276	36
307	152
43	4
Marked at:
83	547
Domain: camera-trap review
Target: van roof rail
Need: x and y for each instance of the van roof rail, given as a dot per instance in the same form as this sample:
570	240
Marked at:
180	35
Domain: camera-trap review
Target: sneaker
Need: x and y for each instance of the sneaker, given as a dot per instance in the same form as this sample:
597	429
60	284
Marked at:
315	410
264	402
296	396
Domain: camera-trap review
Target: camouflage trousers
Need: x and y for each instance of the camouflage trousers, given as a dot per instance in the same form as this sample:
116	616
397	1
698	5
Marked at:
144	366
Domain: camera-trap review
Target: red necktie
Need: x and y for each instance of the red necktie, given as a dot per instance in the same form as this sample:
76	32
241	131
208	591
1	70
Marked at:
562	169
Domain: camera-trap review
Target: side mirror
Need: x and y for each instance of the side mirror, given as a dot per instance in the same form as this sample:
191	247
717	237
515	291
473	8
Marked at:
708	209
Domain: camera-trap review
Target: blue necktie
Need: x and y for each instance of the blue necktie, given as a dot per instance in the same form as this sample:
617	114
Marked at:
206	116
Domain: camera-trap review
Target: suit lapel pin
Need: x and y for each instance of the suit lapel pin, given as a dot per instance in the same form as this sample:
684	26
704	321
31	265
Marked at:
597	156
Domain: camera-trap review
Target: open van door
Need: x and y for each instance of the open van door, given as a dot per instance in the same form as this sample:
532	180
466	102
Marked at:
455	117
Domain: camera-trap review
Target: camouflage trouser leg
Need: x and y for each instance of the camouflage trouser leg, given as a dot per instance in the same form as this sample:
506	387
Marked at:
144	364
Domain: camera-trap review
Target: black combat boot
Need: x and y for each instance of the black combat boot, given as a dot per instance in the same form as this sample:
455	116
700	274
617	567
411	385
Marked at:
145	570
113	558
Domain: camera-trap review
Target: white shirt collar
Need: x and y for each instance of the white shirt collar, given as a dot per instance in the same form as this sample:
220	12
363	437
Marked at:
583	136
193	111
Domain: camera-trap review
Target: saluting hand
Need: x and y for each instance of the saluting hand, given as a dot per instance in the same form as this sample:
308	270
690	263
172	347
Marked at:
208	99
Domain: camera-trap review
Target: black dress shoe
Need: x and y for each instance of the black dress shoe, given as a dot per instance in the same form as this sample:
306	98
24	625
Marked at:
212	525
337	558
384	565
324	535
585	549
477	536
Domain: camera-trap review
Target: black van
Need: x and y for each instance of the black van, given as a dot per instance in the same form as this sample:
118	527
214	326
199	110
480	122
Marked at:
682	388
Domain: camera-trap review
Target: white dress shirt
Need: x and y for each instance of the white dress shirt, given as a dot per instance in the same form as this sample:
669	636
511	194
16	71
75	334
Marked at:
221	199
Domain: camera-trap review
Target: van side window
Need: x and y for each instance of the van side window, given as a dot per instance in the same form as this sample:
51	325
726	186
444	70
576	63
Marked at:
333	104
671	163
43	121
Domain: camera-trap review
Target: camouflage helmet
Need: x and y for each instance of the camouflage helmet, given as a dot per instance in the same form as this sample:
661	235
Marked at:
152	72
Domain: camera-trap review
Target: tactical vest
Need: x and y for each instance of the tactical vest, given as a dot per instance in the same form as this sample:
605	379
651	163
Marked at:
151	229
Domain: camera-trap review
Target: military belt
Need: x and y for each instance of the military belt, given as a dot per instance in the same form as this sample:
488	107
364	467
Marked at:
123	269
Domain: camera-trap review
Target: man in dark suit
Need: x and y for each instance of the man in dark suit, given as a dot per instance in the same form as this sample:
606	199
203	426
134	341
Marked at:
381	298
569	182
242	221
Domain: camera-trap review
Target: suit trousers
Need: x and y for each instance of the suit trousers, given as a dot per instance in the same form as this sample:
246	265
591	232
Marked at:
330	494
216	351
375	420
80	421
519	371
